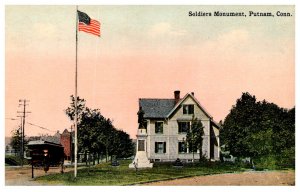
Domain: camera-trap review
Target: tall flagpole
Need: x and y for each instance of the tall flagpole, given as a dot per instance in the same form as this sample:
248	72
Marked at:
75	129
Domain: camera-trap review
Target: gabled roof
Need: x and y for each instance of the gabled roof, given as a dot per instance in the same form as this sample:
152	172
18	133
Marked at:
196	101
156	108
66	132
164	108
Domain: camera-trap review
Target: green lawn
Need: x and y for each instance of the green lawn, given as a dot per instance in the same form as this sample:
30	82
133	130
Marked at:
104	174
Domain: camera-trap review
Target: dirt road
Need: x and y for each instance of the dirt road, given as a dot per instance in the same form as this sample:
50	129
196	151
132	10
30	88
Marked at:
17	176
22	175
235	179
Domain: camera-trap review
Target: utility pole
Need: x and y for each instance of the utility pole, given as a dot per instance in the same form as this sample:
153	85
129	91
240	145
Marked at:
21	147
22	103
21	132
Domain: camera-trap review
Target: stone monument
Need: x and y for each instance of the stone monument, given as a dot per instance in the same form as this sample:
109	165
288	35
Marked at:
141	160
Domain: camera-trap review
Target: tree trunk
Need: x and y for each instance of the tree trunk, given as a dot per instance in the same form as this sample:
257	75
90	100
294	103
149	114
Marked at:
193	156
94	154
106	148
86	159
200	154
193	151
198	148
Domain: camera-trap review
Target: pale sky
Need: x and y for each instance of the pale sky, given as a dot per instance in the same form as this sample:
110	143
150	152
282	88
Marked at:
143	52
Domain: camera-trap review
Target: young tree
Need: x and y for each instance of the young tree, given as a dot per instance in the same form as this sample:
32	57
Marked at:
198	129
194	137
70	111
189	142
16	141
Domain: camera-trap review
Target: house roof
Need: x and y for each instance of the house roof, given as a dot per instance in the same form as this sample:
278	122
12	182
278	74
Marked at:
66	132
41	142
216	124
196	101
156	108
52	139
164	108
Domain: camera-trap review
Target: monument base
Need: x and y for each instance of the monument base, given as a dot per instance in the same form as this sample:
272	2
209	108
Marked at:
141	161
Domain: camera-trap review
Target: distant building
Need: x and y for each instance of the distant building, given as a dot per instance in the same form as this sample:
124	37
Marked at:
167	121
53	139
8	148
68	144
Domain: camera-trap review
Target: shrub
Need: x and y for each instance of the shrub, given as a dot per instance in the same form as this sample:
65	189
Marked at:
14	160
283	160
266	162
287	158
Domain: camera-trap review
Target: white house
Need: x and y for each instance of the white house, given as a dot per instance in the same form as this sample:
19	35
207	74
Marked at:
167	122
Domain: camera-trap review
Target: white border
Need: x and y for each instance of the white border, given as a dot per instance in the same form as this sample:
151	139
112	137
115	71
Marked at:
135	2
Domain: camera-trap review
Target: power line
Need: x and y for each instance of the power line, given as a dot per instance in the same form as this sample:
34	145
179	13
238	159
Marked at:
39	126
10	118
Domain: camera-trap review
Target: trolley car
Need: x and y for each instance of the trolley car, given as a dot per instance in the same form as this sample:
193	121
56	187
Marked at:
45	154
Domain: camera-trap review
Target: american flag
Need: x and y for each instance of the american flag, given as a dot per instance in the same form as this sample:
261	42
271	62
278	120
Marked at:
88	25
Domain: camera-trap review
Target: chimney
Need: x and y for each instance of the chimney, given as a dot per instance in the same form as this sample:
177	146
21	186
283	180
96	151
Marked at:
176	96
193	93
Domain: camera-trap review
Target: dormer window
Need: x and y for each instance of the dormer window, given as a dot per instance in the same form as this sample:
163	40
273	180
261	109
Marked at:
188	109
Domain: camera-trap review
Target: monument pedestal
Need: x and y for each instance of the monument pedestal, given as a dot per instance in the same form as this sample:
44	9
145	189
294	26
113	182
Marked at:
141	160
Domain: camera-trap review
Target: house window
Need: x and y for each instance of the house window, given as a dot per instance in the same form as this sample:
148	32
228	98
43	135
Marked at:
188	109
159	127
160	147
183	126
181	147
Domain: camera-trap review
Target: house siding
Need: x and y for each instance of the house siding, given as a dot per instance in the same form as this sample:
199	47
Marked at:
217	144
171	136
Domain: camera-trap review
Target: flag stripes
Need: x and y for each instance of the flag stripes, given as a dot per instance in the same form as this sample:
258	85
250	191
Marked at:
93	27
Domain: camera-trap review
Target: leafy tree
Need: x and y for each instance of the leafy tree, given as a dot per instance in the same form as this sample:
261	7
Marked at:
198	130
106	137
16	141
124	147
97	135
238	124
194	137
189	142
91	131
259	129
70	111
